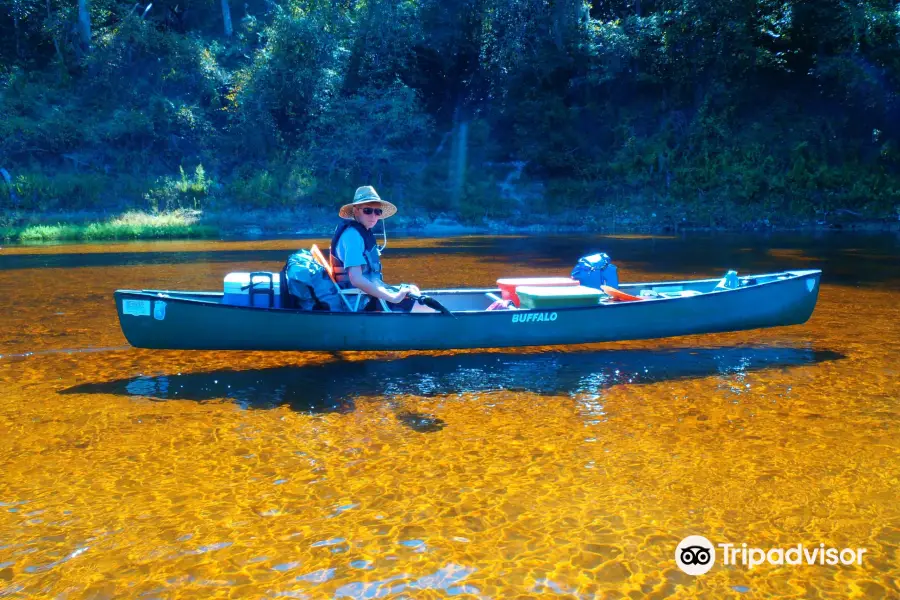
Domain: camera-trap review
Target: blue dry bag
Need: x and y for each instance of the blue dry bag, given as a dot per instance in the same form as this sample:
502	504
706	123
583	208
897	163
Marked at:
596	270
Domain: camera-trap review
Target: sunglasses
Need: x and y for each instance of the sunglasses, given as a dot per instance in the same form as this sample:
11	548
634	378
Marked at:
376	211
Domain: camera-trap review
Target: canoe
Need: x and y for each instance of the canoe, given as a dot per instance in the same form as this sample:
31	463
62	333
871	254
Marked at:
163	319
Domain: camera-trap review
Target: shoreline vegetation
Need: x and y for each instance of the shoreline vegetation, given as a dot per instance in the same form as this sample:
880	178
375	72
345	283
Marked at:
86	226
131	225
135	121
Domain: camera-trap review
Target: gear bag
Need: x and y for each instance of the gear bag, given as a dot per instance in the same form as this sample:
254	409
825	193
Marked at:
596	270
309	285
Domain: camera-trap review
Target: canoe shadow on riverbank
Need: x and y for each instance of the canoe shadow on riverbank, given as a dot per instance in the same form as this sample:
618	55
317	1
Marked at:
336	386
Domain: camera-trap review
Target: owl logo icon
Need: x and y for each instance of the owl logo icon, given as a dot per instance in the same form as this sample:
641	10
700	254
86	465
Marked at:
695	555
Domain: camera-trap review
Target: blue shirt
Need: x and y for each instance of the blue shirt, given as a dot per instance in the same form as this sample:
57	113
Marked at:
351	251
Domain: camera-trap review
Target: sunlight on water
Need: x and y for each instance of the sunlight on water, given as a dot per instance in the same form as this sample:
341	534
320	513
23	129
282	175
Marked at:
548	472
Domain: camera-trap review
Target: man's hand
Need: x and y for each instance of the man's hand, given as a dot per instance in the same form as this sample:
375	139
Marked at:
399	295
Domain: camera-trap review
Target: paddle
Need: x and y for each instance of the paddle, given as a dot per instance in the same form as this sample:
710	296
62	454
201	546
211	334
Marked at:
431	303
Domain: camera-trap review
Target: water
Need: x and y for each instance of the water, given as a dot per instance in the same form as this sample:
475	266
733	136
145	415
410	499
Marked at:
558	472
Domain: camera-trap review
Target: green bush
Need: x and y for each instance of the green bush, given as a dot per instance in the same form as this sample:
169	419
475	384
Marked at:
185	192
50	233
39	192
282	185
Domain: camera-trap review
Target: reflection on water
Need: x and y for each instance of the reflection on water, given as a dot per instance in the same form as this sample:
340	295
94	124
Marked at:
851	259
566	472
333	386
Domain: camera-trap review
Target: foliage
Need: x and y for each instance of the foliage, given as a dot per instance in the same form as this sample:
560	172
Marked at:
129	225
185	192
281	185
39	192
49	233
726	109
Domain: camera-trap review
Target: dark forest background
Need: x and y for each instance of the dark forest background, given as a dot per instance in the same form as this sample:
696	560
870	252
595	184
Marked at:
717	111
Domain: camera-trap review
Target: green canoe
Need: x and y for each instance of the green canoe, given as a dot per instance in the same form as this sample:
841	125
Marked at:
201	321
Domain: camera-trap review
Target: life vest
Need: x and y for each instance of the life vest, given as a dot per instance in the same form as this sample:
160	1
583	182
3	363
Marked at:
372	268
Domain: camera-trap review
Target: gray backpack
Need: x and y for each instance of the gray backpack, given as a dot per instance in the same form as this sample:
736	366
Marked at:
309	285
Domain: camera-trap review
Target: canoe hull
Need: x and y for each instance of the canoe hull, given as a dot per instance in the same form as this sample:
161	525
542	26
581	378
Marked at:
185	321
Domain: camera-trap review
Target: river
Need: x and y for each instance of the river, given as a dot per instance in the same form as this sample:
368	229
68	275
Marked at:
544	472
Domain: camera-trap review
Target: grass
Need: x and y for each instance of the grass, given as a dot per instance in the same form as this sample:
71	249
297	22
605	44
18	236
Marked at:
141	225
49	233
132	225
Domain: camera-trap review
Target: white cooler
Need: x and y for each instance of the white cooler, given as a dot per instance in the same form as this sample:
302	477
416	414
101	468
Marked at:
265	291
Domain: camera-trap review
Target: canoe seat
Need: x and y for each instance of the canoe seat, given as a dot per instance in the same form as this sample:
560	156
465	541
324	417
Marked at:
498	303
346	294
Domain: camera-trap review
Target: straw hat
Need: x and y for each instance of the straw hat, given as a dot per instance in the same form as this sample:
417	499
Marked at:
364	195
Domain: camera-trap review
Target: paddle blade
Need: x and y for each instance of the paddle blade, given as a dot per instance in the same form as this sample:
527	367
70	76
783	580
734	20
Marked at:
618	295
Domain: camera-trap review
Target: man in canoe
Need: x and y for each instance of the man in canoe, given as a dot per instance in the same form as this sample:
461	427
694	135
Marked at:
356	258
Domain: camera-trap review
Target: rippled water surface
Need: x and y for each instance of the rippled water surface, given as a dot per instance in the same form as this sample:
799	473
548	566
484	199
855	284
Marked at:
549	472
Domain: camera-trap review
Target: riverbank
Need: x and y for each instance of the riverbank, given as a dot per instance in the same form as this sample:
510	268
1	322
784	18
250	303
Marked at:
90	227
195	224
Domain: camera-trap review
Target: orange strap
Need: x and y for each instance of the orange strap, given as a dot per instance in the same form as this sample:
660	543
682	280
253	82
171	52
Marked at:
320	258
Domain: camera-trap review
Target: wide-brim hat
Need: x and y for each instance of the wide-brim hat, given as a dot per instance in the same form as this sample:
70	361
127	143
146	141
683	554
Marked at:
365	195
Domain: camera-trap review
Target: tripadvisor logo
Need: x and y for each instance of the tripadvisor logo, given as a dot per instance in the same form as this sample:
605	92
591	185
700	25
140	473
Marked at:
695	555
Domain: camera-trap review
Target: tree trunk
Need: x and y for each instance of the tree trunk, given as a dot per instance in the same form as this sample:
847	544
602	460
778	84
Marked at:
561	23
16	26
458	163
569	15
84	24
226	18
50	19
352	77
12	191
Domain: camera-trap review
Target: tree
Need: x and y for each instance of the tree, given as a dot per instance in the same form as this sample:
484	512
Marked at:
226	18
84	24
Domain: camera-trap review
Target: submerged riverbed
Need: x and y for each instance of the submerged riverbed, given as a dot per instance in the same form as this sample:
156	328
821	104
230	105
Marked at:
566	471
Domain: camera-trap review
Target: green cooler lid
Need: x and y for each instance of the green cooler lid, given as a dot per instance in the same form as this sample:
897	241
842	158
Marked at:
558	291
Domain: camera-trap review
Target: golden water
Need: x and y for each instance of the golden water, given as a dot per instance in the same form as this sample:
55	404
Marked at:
548	472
